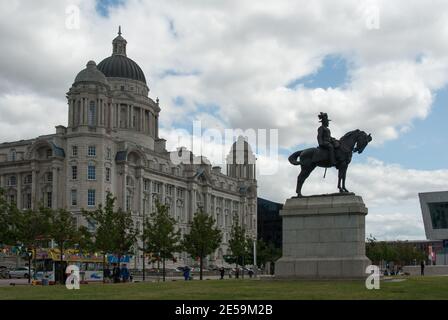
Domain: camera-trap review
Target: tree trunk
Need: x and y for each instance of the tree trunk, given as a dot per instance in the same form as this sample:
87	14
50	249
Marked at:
104	267
119	268
200	267
61	260
158	269
163	269
29	268
143	266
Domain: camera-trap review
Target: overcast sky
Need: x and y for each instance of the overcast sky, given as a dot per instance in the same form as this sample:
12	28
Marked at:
380	66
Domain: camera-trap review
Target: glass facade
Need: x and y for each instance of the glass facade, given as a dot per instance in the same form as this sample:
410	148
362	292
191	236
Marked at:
439	214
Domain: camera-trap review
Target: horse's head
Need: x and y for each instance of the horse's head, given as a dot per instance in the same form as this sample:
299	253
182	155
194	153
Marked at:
362	141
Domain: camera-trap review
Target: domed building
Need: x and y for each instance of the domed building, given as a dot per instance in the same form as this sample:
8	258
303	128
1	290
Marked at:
111	144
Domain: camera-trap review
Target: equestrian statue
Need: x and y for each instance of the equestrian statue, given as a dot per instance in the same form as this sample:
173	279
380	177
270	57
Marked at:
330	153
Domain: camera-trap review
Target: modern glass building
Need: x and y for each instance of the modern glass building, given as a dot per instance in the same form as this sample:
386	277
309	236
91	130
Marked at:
435	218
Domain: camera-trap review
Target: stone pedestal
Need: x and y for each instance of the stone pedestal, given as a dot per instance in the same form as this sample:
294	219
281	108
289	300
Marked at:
323	238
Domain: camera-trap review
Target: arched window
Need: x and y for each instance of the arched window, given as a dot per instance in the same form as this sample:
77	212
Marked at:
92	114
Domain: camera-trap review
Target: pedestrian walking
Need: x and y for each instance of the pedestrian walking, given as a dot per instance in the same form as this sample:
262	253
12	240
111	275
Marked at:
186	273
116	273
422	268
107	274
124	273
221	272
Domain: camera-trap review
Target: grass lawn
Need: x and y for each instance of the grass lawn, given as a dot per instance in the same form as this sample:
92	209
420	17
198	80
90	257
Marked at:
412	288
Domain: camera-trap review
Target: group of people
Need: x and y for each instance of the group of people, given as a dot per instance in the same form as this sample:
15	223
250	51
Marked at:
250	272
117	274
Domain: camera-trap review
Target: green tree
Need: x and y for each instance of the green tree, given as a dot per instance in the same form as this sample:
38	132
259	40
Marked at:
64	232
30	228
114	230
203	239
6	221
161	237
84	240
239	244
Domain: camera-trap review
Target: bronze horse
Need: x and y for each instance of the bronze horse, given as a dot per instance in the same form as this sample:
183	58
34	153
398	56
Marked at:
309	159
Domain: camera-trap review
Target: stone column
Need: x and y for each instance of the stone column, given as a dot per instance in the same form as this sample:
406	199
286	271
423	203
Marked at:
19	191
150	197
80	106
55	189
163	197
175	202
125	191
85	103
33	185
141	194
71	112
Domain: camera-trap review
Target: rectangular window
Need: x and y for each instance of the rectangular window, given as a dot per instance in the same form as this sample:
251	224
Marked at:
128	203
74	198
108	154
28	179
91	173
49	153
91	197
92	114
28	201
91	151
146	184
156	187
12	181
49	199
169	190
74	172
74	151
50	177
12	199
108	174
13	155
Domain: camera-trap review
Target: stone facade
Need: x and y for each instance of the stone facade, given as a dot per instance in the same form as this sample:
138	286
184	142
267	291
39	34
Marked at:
112	144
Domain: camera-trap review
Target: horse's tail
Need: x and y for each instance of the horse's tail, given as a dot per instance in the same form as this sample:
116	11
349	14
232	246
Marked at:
293	158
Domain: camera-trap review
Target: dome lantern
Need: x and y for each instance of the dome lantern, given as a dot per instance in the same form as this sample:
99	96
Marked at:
119	44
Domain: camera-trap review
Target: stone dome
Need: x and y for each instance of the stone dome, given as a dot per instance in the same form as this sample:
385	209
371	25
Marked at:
120	66
91	74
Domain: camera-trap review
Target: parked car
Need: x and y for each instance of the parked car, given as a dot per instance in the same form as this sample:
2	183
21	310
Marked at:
21	272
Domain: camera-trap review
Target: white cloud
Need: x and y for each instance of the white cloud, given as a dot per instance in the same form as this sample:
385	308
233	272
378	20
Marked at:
240	56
